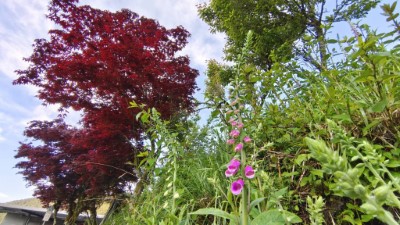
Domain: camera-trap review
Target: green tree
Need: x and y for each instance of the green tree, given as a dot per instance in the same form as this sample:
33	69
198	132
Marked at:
283	27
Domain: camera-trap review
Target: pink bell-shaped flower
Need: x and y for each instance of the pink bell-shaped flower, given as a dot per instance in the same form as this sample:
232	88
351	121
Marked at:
249	172
237	186
233	167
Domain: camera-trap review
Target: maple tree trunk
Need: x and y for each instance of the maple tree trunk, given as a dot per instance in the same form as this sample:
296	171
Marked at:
144	178
73	212
93	214
69	219
140	186
56	207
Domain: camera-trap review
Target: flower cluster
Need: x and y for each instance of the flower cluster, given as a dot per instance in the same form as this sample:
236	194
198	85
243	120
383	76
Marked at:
237	139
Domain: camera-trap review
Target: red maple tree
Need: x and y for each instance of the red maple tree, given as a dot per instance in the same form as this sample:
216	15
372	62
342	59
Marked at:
46	162
98	61
51	163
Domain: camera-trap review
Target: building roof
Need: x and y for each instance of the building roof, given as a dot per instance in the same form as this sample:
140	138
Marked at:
38	212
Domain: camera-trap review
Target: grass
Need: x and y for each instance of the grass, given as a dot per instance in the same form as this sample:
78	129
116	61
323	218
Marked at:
29	202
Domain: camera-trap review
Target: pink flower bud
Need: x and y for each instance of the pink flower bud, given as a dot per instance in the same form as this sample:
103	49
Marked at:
234	133
239	147
230	141
247	139
234	102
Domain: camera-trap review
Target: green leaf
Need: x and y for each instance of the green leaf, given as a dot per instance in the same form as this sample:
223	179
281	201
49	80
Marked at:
348	48
364	78
379	106
318	173
373	124
151	162
393	164
145	118
270	217
331	41
286	174
133	104
342	117
300	158
216	212
278	194
256	202
255	79
214	113
138	115
143	154
291	217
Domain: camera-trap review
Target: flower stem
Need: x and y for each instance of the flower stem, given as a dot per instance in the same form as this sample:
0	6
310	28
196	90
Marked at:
245	193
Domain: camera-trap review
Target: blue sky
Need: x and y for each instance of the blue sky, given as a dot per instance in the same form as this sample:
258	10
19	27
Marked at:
22	21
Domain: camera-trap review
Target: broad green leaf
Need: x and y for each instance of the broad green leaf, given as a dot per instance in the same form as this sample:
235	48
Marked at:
216	212
291	217
270	217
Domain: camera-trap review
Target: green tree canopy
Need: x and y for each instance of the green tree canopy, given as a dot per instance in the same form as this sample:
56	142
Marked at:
280	25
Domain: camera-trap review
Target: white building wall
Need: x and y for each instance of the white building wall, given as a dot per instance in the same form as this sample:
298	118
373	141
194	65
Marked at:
18	219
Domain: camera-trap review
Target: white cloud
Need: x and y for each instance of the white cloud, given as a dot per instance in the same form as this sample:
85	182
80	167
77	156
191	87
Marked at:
41	112
23	22
1	140
2	195
171	13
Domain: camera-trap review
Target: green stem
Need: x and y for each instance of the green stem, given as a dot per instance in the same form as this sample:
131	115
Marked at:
394	180
371	168
173	184
245	193
382	214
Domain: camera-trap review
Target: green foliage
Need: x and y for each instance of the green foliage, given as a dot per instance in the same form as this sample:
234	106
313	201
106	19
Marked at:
315	207
325	138
365	181
280	27
271	26
184	173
